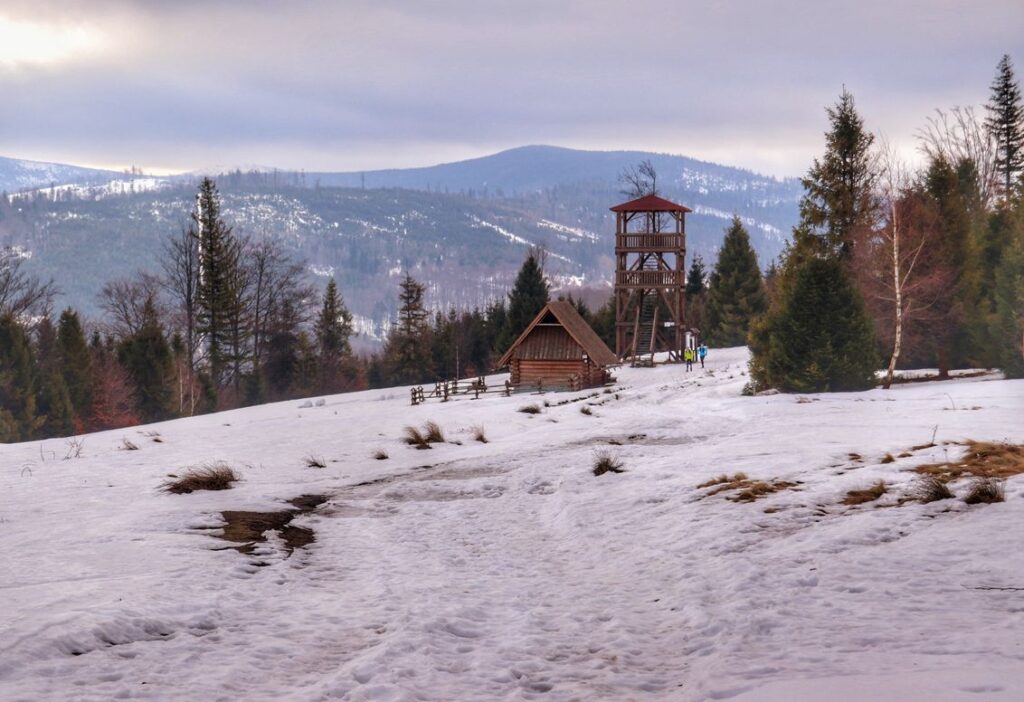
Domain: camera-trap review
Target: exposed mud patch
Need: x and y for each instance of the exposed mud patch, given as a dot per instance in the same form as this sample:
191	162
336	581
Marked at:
250	528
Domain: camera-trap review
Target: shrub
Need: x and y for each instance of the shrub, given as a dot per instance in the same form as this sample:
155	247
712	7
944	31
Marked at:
432	433
530	409
478	434
604	462
215	476
888	458
315	461
858	497
380	455
985	491
586	410
931	489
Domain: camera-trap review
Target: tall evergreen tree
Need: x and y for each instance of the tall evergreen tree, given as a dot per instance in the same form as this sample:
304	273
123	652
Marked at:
19	417
529	295
408	349
75	362
1008	321
820	340
1005	123
218	297
696	277
736	293
52	402
838	187
333	328
147	358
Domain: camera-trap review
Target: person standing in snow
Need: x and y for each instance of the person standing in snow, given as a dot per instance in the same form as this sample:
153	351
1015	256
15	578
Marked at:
702	351
688	357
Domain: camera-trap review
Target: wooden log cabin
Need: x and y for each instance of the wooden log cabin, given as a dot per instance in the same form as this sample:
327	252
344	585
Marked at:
560	350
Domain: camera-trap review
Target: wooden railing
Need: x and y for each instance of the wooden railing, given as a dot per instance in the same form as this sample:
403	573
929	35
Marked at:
650	279
650	242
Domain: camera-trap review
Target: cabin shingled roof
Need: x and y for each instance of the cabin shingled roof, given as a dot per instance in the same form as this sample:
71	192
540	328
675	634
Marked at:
577	327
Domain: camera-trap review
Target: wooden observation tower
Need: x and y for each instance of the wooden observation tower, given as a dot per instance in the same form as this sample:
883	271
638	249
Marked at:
650	279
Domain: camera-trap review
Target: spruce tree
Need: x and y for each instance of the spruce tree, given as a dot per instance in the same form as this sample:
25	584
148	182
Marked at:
218	296
1008	321
838	187
52	401
736	293
529	295
820	340
408	346
695	278
147	358
20	418
75	362
1005	122
332	328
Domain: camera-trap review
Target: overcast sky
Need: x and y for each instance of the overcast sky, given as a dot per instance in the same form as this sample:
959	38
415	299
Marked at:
362	84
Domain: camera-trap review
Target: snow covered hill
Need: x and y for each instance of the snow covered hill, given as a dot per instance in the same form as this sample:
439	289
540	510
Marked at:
18	174
507	570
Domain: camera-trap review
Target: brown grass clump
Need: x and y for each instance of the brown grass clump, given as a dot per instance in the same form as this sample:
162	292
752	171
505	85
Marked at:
586	410
859	497
215	476
985	491
724	479
983	459
887	458
380	455
747	490
479	434
414	437
931	489
529	409
432	433
759	488
128	445
312	461
605	462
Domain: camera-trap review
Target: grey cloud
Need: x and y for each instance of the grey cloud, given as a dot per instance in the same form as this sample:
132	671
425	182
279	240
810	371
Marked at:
317	82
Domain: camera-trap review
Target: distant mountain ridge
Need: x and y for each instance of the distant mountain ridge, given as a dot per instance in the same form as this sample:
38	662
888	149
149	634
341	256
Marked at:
20	174
462	228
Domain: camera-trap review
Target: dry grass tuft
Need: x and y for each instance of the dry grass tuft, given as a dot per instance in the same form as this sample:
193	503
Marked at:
985	491
605	462
312	461
586	410
859	497
215	476
479	434
432	433
747	490
529	409
759	488
380	455
128	445
983	459
414	437
724	479
931	489
887	458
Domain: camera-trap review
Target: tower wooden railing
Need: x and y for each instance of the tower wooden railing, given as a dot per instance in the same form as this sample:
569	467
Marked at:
649	242
650	279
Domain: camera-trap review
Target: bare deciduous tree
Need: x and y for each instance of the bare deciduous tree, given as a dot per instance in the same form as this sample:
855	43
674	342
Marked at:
22	294
181	281
958	136
124	300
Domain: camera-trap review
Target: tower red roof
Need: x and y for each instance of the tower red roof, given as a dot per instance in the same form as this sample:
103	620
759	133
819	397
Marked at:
650	203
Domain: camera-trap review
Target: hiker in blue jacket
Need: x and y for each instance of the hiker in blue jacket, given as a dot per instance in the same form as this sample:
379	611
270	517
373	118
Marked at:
702	351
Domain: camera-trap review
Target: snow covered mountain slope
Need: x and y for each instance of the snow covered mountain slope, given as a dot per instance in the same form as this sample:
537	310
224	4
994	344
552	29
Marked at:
507	570
18	174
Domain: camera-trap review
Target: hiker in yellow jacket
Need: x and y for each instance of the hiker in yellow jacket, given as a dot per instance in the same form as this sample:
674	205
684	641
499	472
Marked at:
688	356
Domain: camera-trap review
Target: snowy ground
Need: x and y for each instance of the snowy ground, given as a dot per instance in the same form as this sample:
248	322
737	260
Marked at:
506	570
